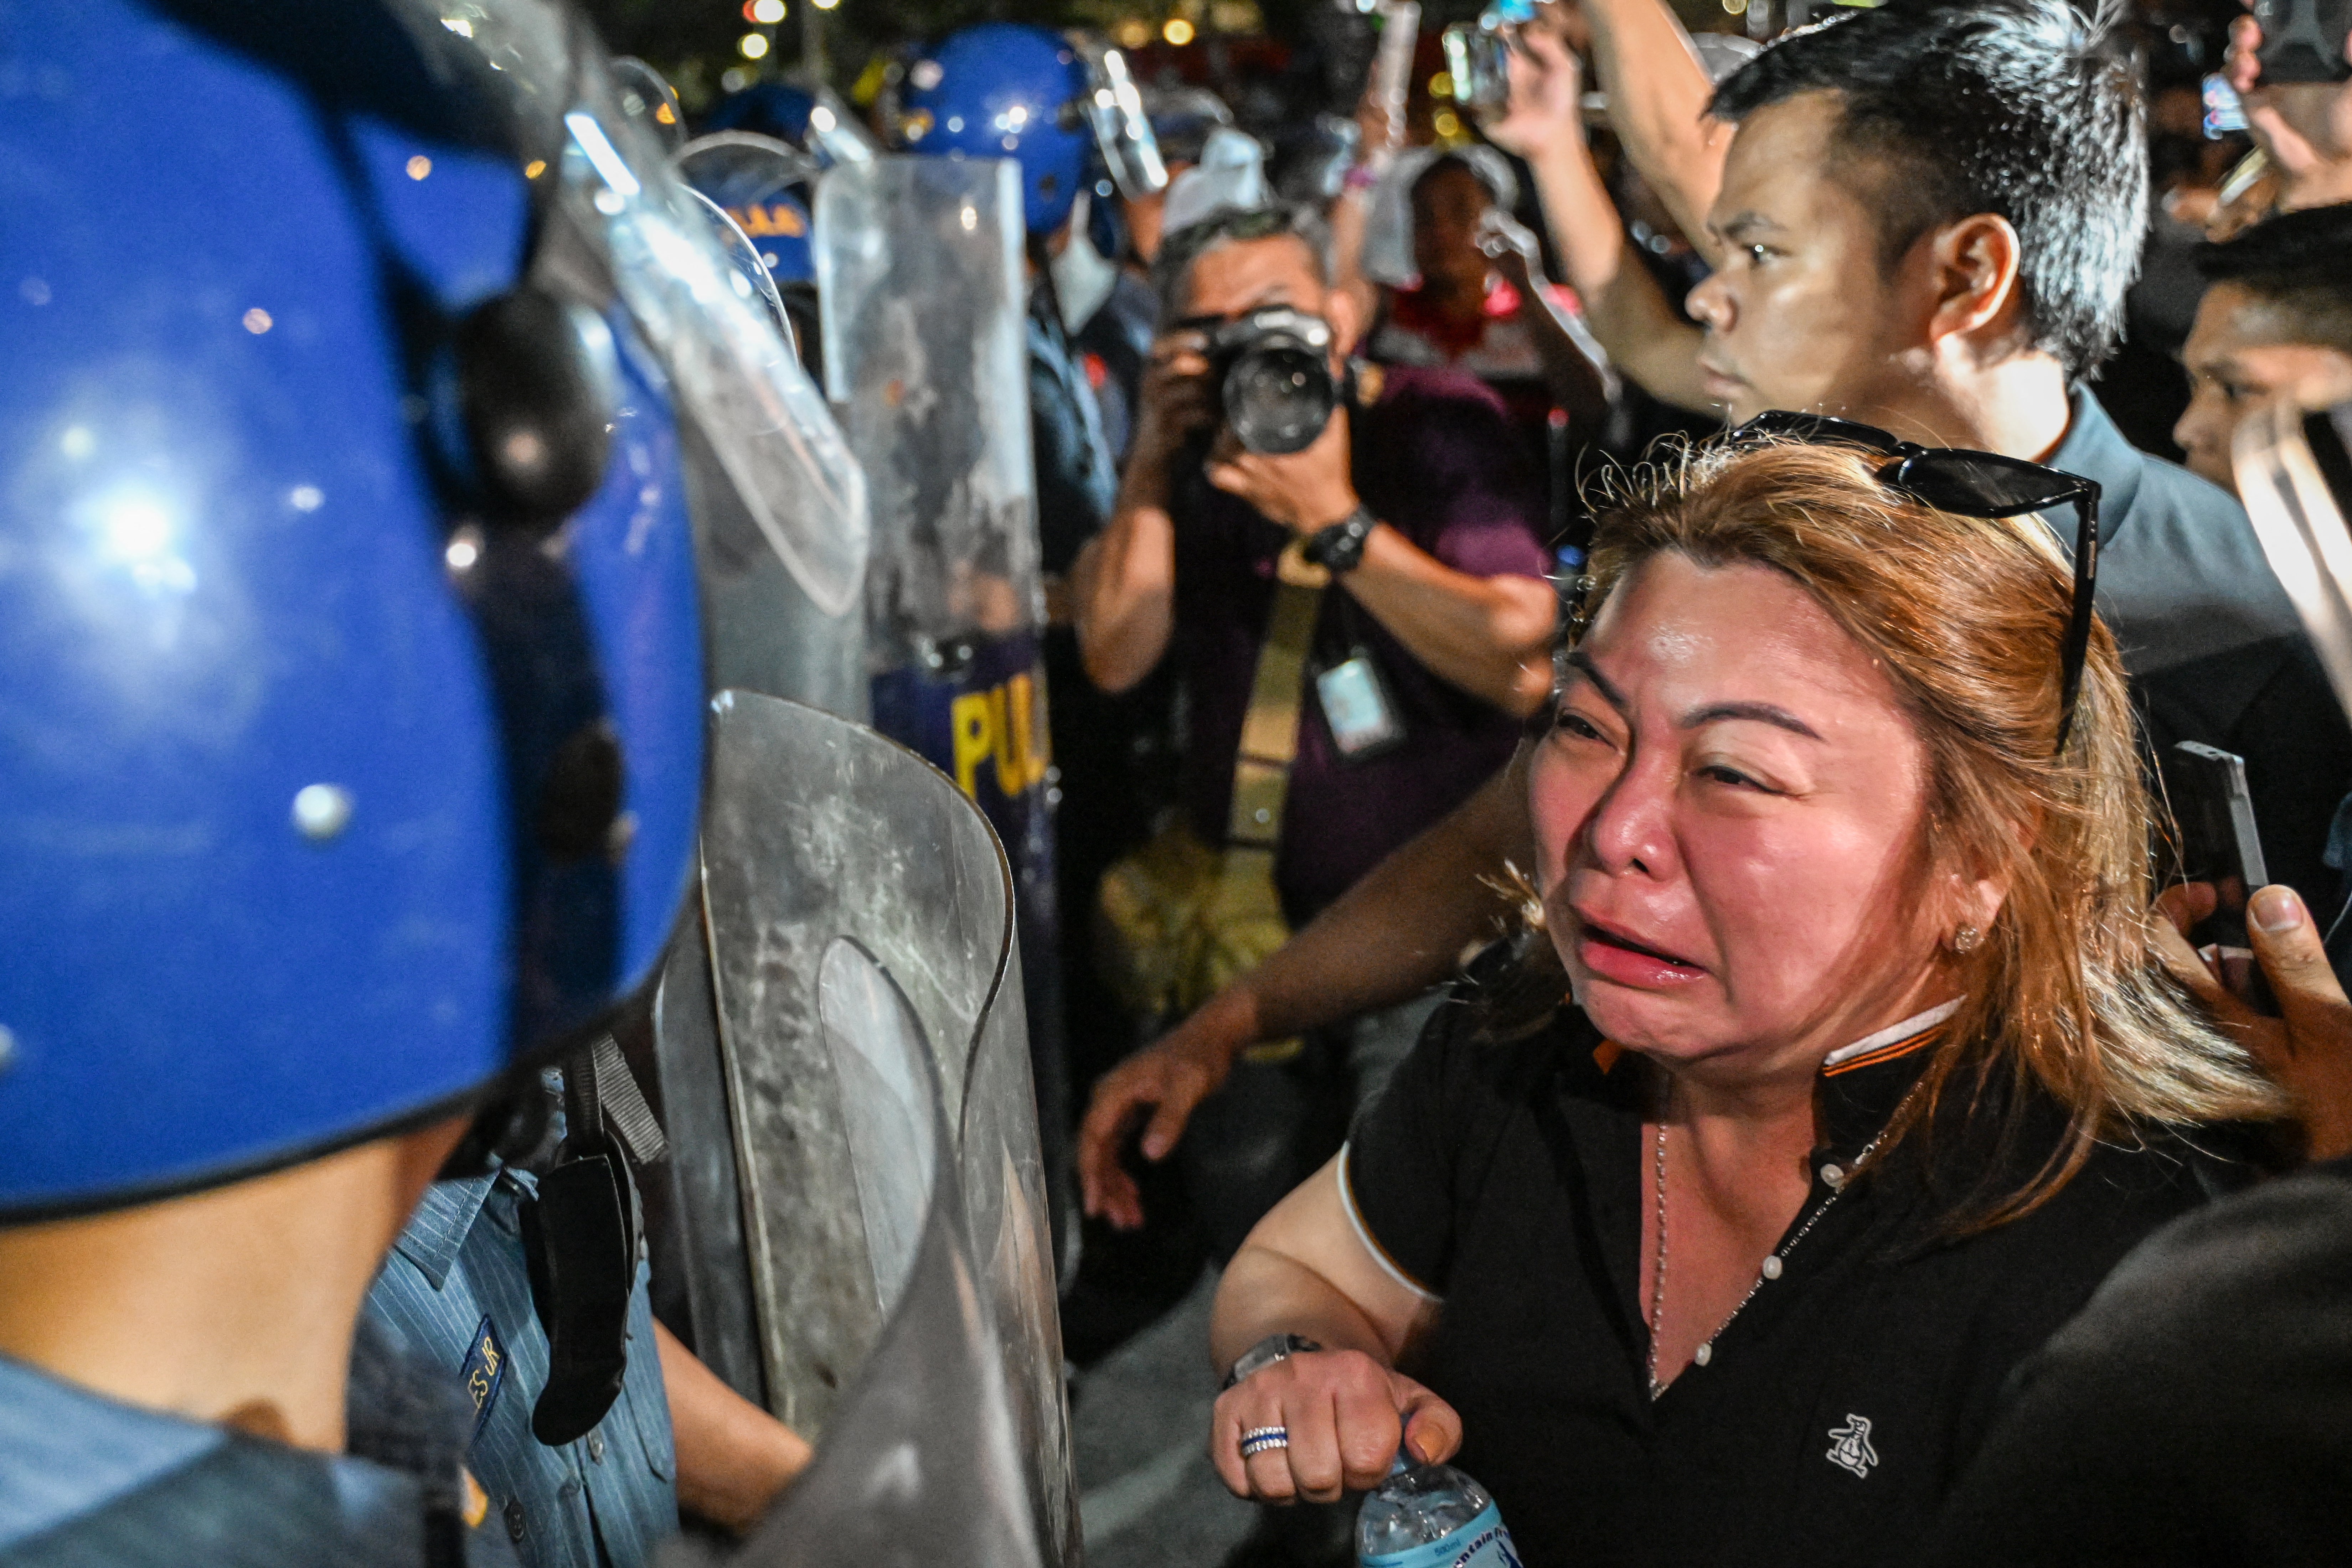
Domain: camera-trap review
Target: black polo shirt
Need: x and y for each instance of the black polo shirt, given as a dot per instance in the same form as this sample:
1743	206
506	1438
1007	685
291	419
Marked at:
2215	650
1508	1179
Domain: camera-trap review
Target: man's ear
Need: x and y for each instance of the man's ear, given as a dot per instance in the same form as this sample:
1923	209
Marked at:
1973	265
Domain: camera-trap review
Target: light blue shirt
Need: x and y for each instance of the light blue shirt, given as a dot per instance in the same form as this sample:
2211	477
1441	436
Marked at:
86	1483
608	1497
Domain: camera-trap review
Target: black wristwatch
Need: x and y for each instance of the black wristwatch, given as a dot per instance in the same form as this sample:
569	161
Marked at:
1340	547
1273	1347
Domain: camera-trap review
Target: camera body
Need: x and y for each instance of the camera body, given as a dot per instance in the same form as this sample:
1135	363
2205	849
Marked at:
1273	370
2303	40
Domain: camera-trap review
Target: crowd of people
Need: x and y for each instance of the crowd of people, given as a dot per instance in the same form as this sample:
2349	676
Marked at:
1627	684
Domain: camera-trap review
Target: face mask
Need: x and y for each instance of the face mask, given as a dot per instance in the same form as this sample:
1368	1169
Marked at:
1082	278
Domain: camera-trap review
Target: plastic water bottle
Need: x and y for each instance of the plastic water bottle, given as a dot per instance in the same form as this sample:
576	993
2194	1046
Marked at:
1432	1516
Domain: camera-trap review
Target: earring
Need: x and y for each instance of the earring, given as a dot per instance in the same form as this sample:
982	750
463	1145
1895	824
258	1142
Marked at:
1966	939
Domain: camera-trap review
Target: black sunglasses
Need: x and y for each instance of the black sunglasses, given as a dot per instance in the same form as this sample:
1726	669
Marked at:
1969	485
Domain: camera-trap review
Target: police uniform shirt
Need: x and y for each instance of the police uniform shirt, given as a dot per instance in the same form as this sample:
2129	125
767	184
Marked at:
85	1482
1507	1181
2199	1411
2216	652
457	1285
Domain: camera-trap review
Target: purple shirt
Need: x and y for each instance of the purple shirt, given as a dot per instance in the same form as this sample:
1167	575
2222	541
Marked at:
1435	459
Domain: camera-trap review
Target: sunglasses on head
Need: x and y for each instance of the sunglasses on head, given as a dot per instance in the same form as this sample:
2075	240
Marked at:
1969	485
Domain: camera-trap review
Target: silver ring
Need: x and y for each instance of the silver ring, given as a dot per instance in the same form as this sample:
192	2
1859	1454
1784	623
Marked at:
1265	1439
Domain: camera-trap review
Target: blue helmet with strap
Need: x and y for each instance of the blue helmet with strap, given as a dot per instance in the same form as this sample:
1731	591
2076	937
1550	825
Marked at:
349	664
1063	108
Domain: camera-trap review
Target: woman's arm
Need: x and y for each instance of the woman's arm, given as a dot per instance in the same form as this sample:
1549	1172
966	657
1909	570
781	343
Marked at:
1345	1410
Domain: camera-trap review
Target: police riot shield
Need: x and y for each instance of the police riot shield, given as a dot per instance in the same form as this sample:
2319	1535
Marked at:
766	185
647	95
768	634
781	527
922	1462
818	830
920	286
759	417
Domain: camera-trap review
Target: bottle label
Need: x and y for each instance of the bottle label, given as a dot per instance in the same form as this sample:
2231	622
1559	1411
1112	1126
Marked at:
1481	1543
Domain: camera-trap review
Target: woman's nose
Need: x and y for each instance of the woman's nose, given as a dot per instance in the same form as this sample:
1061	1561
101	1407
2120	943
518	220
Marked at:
1629	828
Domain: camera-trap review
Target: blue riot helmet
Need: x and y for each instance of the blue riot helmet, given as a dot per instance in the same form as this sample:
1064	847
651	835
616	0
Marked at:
769	108
818	123
763	183
1059	106
350	656
764	186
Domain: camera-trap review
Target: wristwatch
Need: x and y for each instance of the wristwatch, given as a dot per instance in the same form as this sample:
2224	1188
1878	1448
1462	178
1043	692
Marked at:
1273	1347
1340	547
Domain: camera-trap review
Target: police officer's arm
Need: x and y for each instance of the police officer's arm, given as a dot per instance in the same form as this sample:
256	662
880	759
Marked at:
1389	938
733	1457
1123	584
1491	636
1626	310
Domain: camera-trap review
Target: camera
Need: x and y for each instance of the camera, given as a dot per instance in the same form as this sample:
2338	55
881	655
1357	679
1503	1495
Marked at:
1273	370
2303	40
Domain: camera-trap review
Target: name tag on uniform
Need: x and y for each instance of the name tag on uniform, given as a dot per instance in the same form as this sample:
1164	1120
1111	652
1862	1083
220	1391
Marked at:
484	1372
1355	706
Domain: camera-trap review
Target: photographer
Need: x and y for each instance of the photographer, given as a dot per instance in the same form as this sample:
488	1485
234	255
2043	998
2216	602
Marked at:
1432	633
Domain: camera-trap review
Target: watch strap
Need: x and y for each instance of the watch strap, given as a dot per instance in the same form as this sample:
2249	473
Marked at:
1273	1347
1340	547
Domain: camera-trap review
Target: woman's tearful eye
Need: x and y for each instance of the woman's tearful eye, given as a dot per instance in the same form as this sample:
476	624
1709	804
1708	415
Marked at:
1718	773
1576	726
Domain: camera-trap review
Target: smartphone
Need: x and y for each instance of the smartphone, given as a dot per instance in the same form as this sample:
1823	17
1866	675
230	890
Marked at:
2225	114
2303	40
2219	845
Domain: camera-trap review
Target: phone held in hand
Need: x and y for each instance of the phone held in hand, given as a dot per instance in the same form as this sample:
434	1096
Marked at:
2224	113
2220	846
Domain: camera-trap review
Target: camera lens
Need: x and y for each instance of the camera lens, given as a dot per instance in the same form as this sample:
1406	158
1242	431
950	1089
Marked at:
1278	397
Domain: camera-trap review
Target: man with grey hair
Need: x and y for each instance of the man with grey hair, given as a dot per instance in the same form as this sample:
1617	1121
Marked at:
1413	515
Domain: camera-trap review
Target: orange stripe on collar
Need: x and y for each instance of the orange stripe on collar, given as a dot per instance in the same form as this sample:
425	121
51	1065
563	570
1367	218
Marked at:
1888	1052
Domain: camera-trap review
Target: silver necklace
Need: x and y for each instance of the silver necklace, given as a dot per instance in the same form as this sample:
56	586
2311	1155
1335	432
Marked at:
1775	1262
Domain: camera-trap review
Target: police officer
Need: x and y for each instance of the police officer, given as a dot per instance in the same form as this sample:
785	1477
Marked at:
335	798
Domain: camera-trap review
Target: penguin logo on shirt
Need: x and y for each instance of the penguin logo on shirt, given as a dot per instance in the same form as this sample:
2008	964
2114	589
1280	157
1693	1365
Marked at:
1849	1446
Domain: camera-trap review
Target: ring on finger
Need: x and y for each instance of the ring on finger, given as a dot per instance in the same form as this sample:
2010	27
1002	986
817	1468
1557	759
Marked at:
1265	1439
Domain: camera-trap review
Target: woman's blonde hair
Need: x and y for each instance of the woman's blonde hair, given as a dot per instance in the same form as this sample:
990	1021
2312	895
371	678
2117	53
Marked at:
2065	993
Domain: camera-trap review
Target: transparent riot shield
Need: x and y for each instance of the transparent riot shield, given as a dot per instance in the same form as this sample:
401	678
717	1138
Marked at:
760	419
781	525
818	830
647	95
921	1463
921	282
749	167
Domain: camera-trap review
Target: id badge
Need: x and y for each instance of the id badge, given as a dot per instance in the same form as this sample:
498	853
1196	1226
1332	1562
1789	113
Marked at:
1355	706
